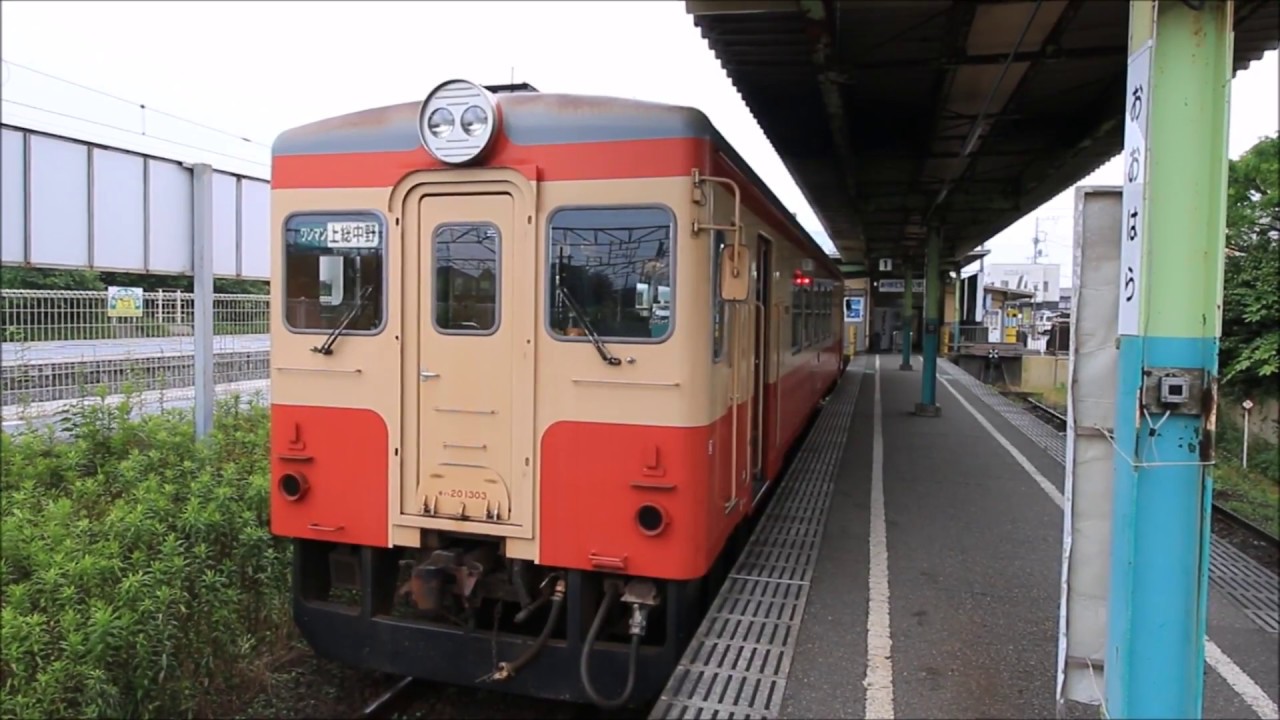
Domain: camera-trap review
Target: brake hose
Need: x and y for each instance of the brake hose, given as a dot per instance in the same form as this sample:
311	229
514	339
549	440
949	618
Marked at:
507	670
585	660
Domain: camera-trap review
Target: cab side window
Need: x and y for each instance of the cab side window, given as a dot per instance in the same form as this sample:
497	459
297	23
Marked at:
334	265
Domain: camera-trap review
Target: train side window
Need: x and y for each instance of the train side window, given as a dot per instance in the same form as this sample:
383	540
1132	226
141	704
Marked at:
817	314
837	310
334	264
467	277
830	304
809	310
611	272
797	318
824	318
834	314
803	309
820	314
717	303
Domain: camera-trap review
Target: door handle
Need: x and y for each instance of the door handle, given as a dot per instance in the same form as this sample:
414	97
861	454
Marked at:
425	375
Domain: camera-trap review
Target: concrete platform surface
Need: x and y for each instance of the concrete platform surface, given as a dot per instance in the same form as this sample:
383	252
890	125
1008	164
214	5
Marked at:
942	554
1242	673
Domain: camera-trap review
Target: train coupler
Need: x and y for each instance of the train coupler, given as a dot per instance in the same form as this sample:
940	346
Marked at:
427	586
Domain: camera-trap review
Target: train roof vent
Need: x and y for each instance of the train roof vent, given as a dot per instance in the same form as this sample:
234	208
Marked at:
512	88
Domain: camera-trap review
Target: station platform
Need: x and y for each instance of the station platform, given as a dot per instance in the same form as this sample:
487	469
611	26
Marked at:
910	567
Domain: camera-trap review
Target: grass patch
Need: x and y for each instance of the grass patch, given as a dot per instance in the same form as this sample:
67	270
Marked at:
1254	492
138	574
1056	398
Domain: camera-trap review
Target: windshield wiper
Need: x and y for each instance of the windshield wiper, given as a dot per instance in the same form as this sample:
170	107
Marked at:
326	348
601	348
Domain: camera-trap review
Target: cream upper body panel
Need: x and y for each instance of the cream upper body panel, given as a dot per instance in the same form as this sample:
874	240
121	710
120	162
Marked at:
658	383
364	369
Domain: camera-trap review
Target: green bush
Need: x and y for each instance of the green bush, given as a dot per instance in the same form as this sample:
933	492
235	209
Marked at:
138	574
1264	460
1253	493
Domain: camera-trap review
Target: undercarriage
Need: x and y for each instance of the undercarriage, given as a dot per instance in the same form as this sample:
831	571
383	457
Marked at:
457	611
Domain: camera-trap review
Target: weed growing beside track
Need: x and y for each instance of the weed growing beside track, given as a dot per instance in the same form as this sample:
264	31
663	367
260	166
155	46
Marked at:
138	574
1253	493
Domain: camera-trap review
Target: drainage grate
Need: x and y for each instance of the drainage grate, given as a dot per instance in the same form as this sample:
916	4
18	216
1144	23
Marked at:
1248	583
736	665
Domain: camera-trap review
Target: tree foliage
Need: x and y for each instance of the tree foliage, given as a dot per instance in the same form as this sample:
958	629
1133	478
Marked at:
1250	350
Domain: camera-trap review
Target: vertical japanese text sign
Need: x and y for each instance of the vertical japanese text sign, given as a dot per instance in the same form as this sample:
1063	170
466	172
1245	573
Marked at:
1137	110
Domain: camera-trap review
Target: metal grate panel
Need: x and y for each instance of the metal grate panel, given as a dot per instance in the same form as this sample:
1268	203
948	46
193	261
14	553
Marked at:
1040	432
1248	583
736	665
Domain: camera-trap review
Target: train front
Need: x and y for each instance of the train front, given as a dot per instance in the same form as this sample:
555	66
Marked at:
428	367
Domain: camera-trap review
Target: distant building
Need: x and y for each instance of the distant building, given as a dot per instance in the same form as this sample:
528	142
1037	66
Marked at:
1039	278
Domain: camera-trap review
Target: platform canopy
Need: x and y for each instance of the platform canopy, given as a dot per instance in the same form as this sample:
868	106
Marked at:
896	114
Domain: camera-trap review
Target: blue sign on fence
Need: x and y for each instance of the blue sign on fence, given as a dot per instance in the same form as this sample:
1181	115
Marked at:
853	309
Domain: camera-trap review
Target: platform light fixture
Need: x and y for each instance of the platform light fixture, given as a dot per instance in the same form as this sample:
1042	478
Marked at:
458	122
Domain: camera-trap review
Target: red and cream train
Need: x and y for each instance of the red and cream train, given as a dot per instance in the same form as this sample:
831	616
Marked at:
534	359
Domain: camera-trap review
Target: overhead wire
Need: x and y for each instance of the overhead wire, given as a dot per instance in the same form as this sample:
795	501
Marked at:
151	137
145	109
141	106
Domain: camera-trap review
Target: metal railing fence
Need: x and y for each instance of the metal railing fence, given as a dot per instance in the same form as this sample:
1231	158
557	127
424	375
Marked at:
37	316
61	345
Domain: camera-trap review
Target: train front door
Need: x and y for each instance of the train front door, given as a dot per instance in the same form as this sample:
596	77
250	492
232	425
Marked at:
475	274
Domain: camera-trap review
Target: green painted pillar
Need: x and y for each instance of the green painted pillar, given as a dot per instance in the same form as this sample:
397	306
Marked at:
955	318
907	319
1172	246
928	405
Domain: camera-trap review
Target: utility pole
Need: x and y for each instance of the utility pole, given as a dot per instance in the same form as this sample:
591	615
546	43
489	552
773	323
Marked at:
1035	244
1036	283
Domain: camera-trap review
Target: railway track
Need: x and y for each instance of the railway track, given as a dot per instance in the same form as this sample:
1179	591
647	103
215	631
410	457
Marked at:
409	698
395	699
1059	421
1246	536
1243	534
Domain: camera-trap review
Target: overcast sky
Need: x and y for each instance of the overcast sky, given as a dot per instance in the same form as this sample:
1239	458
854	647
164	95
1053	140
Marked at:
247	70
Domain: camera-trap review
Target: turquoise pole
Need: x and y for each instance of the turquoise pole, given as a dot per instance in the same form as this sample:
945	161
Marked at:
907	320
1172	246
928	405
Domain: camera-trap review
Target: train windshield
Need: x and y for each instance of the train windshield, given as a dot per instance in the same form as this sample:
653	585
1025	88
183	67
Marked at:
616	264
334	268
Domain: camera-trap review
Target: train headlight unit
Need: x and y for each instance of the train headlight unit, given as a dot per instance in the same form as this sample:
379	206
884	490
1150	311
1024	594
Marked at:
474	120
458	122
440	123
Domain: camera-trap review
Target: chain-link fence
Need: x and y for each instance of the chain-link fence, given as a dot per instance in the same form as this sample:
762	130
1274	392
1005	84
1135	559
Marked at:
63	345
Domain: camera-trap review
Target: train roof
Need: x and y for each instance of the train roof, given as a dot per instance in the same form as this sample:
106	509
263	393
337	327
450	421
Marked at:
530	119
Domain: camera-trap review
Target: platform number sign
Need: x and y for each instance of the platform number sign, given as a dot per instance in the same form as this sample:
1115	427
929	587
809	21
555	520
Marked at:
1137	111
